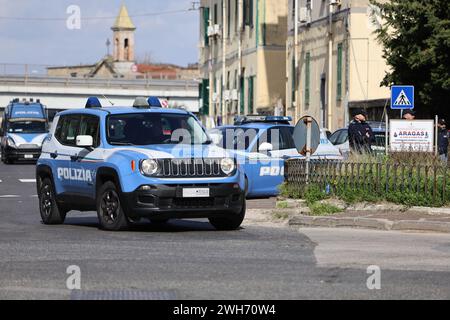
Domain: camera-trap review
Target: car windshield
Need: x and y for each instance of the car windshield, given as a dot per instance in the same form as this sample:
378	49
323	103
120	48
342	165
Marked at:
234	138
154	128
27	127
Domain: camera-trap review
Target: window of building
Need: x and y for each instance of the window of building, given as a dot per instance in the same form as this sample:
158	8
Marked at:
229	19
251	92
307	78
242	93
206	25
339	72
248	13
216	14
236	15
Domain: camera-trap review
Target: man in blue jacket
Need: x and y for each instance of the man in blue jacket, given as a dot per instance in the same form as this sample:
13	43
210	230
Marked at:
360	133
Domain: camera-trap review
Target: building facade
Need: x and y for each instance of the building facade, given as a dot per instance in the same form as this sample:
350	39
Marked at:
334	62
242	57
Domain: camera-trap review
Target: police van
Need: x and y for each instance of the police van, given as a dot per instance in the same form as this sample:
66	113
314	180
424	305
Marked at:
262	144
24	128
129	163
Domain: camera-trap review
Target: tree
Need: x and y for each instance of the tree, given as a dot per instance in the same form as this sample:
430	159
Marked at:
416	39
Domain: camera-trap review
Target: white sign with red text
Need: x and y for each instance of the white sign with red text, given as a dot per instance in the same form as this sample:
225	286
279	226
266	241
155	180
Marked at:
411	136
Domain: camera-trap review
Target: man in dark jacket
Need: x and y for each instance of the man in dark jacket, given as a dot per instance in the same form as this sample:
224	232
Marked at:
360	133
443	140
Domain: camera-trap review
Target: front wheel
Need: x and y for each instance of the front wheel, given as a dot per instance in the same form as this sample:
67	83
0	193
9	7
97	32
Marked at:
110	213
5	158
229	223
51	213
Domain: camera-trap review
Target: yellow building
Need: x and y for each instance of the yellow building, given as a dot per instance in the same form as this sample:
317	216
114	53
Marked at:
334	62
242	57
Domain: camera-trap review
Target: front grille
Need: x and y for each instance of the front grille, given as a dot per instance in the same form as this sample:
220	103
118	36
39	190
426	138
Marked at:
29	146
192	168
193	203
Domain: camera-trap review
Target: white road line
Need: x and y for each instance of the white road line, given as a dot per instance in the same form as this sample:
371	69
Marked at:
9	196
27	180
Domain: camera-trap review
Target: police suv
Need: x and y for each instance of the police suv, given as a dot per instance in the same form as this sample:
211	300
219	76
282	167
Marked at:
24	128
140	162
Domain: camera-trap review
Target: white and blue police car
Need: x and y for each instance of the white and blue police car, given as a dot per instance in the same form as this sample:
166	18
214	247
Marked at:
129	163
24	128
261	145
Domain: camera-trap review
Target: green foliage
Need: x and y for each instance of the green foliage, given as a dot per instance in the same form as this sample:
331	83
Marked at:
323	209
416	40
282	205
313	194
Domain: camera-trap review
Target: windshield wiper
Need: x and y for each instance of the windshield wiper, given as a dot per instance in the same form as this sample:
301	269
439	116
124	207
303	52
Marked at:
121	144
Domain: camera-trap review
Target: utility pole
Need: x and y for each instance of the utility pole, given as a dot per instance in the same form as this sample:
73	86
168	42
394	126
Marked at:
328	121
296	51
224	59
212	106
239	55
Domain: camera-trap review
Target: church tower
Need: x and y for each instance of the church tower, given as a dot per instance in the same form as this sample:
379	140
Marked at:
123	42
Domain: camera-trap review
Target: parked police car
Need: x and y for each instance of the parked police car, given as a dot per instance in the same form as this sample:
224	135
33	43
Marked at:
261	145
24	128
129	163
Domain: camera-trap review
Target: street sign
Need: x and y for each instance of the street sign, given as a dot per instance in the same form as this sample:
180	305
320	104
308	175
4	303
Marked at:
301	135
412	136
402	97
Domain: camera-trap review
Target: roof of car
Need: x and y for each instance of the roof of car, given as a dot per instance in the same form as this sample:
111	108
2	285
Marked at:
254	125
121	110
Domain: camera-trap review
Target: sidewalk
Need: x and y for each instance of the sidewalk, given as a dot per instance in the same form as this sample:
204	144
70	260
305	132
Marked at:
373	216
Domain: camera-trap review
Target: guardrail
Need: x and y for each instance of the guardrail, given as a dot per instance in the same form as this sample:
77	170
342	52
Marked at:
98	82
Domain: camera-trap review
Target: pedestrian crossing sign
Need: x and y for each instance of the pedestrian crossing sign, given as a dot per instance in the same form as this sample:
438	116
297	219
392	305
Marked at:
402	97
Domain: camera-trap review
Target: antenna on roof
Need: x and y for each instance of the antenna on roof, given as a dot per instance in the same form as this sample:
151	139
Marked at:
112	104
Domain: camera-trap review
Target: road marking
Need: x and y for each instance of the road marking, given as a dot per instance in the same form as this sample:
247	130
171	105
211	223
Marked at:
9	196
27	180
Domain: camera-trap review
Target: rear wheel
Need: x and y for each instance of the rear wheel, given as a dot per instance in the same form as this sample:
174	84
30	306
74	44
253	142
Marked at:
229	223
51	213
110	213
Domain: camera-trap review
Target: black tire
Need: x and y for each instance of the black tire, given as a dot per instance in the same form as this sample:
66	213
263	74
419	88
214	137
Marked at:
5	158
111	215
229	223
51	212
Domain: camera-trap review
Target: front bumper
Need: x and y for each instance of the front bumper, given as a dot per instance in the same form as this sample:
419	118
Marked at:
22	154
167	202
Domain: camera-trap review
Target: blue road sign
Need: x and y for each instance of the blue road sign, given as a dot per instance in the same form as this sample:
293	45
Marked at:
402	97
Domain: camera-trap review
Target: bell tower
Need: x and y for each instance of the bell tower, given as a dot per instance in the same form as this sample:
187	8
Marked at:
123	42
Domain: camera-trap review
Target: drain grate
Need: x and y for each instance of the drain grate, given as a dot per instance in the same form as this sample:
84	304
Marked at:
123	295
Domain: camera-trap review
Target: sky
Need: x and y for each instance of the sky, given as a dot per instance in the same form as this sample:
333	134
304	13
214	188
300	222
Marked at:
33	39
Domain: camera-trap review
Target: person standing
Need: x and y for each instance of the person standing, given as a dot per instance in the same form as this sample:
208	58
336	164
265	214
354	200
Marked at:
443	137
409	115
360	133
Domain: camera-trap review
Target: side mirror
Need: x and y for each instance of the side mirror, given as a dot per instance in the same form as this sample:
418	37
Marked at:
85	142
265	147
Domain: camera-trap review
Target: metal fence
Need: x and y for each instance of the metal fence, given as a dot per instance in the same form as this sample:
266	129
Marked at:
430	181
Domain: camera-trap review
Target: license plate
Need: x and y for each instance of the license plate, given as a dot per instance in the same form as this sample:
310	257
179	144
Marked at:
196	193
28	156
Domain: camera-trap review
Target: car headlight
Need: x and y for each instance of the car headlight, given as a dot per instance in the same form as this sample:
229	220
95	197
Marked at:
149	167
11	143
227	165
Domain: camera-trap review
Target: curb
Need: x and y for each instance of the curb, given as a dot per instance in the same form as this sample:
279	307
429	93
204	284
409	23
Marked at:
367	223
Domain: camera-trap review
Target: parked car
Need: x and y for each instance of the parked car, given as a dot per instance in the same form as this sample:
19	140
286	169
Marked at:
340	138
261	145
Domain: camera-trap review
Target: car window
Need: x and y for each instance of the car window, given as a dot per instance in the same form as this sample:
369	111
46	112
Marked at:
149	129
90	126
339	137
67	130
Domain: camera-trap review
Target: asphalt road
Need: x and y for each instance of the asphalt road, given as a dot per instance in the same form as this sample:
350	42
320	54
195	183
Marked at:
189	260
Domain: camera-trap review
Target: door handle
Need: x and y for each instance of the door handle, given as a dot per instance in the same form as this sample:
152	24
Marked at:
53	155
74	158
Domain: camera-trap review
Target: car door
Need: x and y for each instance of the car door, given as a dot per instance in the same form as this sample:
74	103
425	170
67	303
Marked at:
268	165
84	166
65	134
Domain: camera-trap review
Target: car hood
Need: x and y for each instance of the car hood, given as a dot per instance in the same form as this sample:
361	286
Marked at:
29	138
179	151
